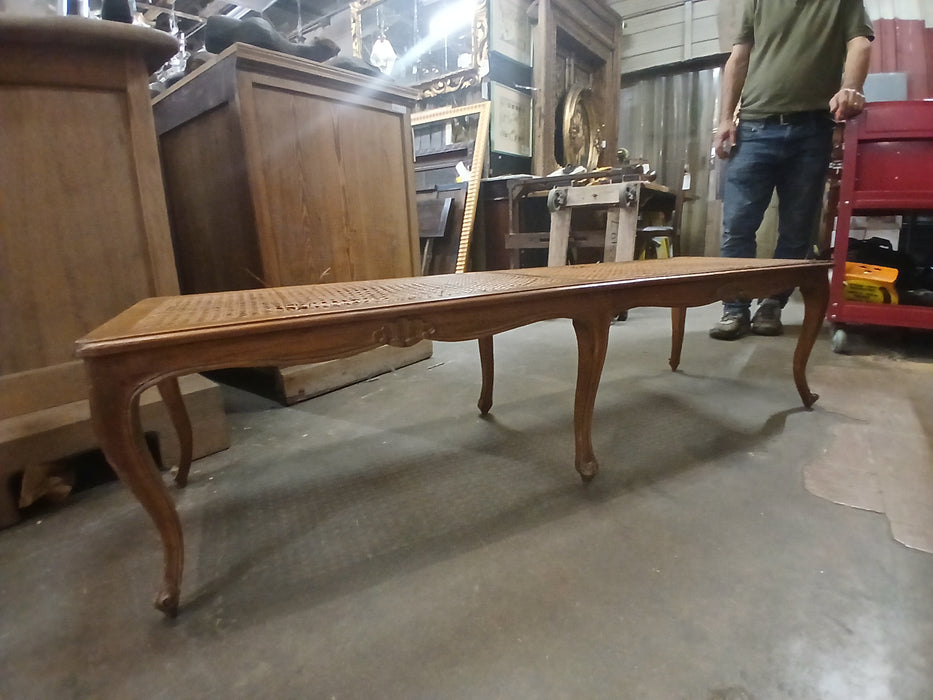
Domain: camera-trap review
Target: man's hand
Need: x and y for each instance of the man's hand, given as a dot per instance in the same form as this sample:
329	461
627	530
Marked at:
733	78
850	101
724	141
847	103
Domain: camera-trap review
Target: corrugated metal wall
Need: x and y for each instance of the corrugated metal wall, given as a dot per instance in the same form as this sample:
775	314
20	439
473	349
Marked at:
662	32
668	121
904	42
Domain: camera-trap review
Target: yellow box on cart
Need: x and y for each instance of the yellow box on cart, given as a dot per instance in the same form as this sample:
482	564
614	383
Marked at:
871	284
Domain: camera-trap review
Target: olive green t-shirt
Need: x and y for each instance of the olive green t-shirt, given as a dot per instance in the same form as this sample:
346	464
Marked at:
799	51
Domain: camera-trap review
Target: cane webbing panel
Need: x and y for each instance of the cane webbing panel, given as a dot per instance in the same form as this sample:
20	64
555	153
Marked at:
200	311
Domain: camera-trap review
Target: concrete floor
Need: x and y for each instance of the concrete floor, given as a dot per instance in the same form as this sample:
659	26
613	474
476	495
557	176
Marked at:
384	541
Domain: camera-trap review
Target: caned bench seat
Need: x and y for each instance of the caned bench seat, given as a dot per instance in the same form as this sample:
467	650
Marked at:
160	339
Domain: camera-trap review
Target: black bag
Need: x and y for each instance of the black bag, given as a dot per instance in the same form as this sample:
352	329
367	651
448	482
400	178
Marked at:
879	251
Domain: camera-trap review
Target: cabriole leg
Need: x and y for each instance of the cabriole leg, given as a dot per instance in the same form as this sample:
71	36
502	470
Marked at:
678	320
488	368
592	342
815	299
171	397
115	415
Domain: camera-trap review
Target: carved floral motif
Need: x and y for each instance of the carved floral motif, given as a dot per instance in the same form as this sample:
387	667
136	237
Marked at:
404	333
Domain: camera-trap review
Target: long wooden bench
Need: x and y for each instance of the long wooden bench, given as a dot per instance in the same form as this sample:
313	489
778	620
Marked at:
160	339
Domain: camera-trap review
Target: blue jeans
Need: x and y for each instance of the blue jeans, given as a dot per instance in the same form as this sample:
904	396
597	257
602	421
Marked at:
790	158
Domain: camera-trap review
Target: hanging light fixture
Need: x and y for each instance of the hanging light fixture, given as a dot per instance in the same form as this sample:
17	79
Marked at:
383	55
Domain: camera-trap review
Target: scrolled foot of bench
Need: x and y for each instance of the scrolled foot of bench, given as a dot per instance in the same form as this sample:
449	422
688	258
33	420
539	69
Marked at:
588	470
810	399
166	600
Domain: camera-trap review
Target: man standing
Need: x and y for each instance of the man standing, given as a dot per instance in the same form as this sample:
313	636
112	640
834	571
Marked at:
796	65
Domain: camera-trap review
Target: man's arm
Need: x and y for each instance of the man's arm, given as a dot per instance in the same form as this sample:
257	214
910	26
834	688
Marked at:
850	101
733	80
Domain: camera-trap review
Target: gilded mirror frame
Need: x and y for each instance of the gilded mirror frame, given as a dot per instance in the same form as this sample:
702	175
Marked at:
450	82
579	124
443	114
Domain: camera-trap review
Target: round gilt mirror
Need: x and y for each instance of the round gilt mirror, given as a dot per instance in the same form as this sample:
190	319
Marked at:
577	129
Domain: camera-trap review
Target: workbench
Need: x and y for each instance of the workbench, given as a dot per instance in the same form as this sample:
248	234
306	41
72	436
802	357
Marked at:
516	221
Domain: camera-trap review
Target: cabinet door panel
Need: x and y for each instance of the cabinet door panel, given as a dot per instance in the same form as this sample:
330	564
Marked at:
335	184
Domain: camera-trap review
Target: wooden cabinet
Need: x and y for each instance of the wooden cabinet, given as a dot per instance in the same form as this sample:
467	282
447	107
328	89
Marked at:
83	226
282	171
577	46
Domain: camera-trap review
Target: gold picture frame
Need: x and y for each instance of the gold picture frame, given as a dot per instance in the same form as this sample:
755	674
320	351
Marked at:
480	145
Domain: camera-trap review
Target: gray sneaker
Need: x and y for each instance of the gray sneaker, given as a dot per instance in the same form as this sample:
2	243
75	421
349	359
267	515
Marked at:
732	326
767	319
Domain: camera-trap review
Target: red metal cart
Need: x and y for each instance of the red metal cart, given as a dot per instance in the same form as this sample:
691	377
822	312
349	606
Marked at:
887	169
